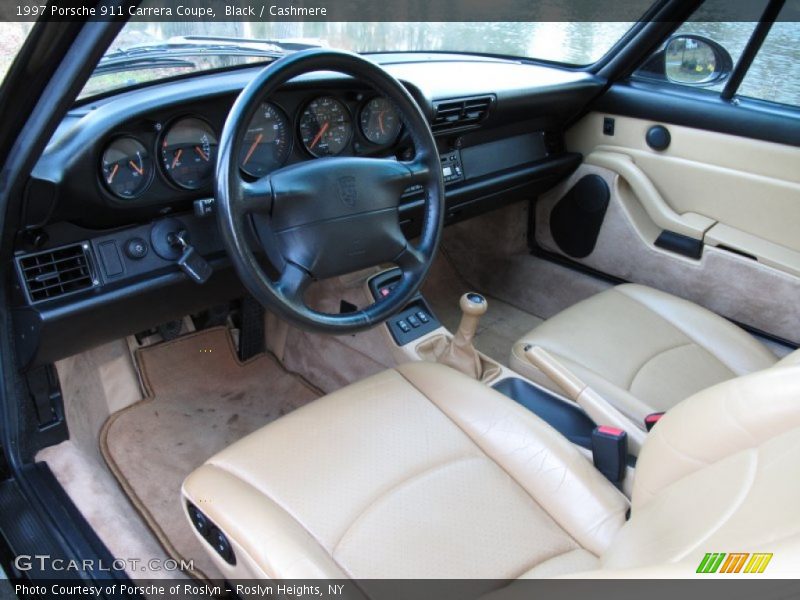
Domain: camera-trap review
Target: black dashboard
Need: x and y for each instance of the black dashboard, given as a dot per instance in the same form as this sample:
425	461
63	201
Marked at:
168	155
162	160
118	168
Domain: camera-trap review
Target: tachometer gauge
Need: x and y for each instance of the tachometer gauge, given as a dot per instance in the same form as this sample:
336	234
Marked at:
126	167
267	141
325	126
188	153
379	121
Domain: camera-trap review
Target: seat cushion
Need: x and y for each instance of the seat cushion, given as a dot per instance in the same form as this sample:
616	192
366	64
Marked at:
642	349
415	472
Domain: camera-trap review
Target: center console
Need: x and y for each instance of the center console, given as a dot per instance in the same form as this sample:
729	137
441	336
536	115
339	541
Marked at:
416	334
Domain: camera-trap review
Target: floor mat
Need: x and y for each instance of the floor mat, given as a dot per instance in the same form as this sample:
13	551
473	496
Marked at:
501	326
200	399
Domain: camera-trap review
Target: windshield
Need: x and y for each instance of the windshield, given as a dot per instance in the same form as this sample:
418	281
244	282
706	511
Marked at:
12	36
147	51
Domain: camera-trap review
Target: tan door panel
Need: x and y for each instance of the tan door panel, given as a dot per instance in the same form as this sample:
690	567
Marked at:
729	151
749	185
689	224
753	292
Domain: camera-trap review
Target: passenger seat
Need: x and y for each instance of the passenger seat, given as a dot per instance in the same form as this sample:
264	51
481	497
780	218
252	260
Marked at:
643	350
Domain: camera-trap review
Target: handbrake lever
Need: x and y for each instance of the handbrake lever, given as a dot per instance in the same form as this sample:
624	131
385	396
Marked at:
593	404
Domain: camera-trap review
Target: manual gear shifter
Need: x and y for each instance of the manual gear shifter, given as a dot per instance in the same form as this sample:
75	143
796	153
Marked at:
460	353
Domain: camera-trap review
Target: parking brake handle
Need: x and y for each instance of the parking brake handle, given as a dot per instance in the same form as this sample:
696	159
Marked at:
597	407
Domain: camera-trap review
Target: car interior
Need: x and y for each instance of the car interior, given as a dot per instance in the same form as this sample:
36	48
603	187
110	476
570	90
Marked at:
420	315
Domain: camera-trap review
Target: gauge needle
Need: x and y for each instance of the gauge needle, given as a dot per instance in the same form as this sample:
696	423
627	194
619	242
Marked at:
253	148
319	135
113	172
136	167
177	157
202	154
380	121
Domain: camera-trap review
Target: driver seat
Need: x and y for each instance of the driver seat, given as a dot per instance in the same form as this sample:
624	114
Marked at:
422	472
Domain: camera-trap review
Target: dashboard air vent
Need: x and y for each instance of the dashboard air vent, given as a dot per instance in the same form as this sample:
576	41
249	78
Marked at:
453	114
53	273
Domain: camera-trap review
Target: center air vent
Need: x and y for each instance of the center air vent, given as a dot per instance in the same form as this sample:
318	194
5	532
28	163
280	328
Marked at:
56	272
463	112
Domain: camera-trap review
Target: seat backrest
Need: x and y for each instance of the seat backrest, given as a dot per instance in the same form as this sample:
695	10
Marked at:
719	473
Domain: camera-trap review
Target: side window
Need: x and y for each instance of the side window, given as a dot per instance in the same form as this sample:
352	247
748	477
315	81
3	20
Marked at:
775	72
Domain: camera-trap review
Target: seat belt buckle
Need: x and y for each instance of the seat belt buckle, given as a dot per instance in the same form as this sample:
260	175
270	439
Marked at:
610	452
651	420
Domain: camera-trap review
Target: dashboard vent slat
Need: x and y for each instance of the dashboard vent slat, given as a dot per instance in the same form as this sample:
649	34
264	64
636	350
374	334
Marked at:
462	112
57	272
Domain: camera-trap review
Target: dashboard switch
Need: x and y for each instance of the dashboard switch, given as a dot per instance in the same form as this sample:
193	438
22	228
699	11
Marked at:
203	207
136	248
110	258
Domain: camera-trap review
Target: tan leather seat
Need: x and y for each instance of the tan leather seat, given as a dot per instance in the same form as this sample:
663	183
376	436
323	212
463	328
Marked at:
643	350
422	472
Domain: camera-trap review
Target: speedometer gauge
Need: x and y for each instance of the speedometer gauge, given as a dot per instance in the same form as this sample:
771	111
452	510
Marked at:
188	153
267	141
126	167
325	126
379	121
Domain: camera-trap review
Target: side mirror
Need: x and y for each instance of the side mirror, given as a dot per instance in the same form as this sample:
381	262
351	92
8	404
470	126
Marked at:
695	60
689	60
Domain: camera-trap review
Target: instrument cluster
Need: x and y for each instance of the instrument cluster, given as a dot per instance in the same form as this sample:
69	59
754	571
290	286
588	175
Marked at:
186	150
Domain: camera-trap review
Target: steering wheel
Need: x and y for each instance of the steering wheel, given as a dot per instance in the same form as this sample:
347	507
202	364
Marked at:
329	216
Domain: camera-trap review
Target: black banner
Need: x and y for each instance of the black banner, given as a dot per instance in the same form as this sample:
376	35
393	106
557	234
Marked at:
707	588
372	10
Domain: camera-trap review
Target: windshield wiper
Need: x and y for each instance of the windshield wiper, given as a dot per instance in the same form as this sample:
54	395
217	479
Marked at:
169	52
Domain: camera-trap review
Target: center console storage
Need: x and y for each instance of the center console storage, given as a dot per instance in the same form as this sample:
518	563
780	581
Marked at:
566	417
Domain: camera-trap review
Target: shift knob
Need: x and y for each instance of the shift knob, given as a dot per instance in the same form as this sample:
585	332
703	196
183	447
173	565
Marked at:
460	352
473	307
473	304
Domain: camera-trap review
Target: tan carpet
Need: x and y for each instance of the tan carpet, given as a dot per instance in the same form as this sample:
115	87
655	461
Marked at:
491	253
200	399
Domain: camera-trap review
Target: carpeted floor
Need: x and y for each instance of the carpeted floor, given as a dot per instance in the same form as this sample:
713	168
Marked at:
200	399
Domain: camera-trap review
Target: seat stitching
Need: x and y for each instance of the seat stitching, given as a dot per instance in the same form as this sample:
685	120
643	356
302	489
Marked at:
653	357
660	433
677	325
269	497
753	473
499	466
396	486
737	422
